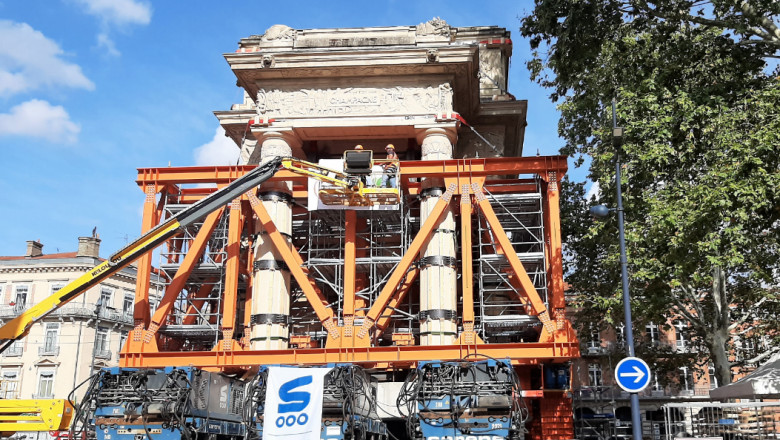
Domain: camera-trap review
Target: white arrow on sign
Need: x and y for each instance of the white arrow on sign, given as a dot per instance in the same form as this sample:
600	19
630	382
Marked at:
638	374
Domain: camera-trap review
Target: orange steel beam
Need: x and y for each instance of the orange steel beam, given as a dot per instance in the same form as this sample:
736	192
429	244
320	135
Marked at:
466	258
350	236
496	166
216	174
196	249
295	263
518	354
411	253
230	294
403	289
519	273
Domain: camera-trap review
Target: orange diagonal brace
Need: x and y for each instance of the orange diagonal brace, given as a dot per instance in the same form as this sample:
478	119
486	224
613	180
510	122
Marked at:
294	262
390	288
180	279
520	275
403	289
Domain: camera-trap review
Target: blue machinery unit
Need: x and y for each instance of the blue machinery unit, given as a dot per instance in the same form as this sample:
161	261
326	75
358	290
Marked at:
440	401
467	400
188	403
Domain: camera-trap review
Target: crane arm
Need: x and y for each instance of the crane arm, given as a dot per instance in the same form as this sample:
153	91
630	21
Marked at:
20	325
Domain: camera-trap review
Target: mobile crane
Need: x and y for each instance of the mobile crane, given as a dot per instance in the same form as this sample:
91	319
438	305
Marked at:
56	414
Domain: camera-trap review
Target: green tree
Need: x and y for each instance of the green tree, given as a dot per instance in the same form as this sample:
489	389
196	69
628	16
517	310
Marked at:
701	160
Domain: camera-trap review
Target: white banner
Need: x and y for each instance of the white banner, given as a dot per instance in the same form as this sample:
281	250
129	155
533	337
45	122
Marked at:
293	403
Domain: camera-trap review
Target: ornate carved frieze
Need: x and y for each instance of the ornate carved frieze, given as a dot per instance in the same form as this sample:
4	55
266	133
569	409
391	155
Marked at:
354	101
435	26
278	32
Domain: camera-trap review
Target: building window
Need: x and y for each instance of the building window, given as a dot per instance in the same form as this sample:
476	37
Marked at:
127	305
15	349
594	374
681	335
652	334
45	384
10	384
56	286
21	298
656	385
713	377
620	334
122	339
101	342
50	339
685	379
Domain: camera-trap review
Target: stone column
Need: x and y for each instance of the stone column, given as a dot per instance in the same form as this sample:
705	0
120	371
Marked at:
269	326
438	274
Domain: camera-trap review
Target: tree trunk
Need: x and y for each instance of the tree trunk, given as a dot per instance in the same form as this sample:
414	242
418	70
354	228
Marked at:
716	343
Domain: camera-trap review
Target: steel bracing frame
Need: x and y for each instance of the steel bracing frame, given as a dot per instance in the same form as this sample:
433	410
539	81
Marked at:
354	295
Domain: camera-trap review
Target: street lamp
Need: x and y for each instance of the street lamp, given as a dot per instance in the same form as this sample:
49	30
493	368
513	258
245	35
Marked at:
602	211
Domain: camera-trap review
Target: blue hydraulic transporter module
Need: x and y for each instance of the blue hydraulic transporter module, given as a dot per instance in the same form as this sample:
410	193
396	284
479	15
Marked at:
474	400
170	404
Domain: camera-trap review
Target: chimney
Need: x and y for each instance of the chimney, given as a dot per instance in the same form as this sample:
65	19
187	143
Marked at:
88	247
34	249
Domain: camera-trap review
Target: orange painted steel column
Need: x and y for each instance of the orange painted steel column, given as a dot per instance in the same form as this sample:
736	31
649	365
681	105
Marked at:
466	262
519	274
295	263
552	231
230	296
390	289
141	312
350	254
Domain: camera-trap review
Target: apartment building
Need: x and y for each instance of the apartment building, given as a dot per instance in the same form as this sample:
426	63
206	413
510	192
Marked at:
65	348
603	409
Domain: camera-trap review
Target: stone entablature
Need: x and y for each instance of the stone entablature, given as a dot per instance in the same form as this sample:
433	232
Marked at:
341	85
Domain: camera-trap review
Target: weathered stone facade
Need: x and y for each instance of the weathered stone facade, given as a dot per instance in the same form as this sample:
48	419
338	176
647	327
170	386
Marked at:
328	89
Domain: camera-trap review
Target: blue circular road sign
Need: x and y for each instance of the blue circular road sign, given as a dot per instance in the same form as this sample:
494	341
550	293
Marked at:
632	374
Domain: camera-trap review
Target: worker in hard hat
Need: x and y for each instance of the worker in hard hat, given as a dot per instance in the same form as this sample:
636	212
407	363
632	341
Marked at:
390	167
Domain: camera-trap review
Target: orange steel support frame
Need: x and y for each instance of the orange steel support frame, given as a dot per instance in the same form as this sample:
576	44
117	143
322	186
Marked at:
355	341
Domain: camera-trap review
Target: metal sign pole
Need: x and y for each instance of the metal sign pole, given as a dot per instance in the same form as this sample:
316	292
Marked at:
617	138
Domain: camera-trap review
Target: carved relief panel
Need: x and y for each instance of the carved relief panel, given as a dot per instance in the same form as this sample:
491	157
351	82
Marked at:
354	101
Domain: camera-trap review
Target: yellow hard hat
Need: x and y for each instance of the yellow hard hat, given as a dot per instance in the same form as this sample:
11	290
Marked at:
358	147
390	147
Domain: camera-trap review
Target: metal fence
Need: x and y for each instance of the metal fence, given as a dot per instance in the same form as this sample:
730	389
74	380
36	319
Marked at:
728	421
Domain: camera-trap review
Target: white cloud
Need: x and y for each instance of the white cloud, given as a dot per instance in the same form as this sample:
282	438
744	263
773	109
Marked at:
105	42
221	150
594	190
29	61
36	118
119	12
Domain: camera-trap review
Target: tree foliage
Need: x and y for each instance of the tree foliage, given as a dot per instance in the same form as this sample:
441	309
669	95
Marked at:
701	159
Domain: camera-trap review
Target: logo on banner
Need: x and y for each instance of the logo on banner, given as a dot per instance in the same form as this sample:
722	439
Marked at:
295	402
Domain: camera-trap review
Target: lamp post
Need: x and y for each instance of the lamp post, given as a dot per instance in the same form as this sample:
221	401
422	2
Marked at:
603	211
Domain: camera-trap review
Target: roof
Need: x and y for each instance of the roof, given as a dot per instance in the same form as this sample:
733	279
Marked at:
41	257
763	383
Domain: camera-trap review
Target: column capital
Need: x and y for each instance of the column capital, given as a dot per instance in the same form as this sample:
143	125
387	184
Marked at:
276	142
448	129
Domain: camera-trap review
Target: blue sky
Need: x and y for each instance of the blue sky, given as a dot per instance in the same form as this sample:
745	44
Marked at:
90	90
